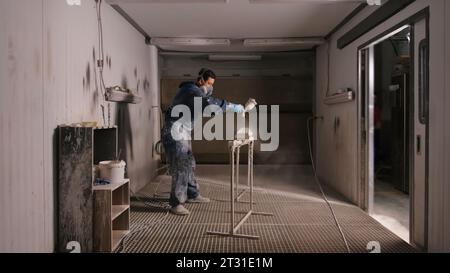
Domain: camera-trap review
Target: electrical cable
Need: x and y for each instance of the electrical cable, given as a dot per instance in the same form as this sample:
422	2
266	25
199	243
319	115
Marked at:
316	178
100	63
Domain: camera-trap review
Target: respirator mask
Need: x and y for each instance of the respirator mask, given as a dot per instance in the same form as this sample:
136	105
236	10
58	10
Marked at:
207	89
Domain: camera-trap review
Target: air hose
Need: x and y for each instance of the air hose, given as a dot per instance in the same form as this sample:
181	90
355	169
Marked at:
316	178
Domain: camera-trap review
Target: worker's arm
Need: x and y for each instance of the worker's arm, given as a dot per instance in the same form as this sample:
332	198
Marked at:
237	108
221	103
215	101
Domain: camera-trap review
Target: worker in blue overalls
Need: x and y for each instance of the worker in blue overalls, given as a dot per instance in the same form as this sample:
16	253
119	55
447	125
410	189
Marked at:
178	149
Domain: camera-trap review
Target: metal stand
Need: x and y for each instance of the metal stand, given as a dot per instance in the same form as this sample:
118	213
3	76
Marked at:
234	196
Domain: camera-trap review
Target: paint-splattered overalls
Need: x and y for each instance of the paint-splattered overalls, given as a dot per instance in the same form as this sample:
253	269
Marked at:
179	154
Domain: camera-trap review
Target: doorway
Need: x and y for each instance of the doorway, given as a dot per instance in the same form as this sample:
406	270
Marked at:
393	115
392	65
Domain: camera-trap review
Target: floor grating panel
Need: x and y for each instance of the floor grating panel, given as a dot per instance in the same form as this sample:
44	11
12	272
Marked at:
301	224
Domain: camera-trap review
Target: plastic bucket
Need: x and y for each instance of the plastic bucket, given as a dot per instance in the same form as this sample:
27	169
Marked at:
112	170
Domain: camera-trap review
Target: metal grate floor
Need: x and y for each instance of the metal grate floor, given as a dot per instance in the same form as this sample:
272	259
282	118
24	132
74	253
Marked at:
301	224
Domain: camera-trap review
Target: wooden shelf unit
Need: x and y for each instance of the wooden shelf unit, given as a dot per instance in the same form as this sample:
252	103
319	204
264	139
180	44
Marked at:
79	150
111	215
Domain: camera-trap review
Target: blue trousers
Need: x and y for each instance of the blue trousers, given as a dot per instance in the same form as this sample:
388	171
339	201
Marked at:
181	163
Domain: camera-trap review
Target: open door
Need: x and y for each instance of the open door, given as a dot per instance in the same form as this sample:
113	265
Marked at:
419	122
409	88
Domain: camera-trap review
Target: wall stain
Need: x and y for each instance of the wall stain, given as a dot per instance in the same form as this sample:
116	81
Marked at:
12	63
137	87
88	76
95	97
108	61
124	82
96	94
123	121
135	72
146	85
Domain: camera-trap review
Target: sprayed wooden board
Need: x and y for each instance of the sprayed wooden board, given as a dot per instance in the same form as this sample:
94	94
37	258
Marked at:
75	197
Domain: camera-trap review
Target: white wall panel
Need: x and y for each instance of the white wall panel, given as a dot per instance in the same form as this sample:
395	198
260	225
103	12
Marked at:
48	77
21	139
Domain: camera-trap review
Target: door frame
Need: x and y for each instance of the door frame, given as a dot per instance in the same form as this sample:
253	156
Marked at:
365	163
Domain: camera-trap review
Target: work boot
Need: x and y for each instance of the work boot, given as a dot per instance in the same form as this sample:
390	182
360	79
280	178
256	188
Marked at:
198	199
179	210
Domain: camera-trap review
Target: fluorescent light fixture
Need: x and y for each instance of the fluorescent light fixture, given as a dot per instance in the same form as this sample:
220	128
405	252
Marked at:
229	57
115	94
283	42
73	2
190	42
374	2
167	1
308	1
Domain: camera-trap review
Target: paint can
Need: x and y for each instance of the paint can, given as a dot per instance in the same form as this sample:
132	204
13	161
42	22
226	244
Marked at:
112	170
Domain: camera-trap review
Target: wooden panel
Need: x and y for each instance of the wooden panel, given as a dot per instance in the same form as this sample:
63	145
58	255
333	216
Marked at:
122	222
75	198
293	94
293	146
267	91
117	210
117	236
103	225
121	195
112	215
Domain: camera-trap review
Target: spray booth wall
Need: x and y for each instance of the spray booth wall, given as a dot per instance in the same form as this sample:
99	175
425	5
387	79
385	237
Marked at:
48	77
284	80
337	149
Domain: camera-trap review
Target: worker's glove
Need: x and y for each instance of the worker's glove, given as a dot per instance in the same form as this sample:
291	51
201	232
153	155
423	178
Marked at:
237	108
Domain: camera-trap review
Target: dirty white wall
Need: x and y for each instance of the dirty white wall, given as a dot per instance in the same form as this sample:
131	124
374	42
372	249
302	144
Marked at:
337	151
48	77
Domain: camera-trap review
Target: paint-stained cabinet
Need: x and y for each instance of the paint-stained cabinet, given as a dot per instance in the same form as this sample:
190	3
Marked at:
80	149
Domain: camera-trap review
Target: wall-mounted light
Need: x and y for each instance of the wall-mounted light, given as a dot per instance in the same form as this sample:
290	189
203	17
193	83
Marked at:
73	2
307	1
189	42
283	42
374	2
340	97
167	1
